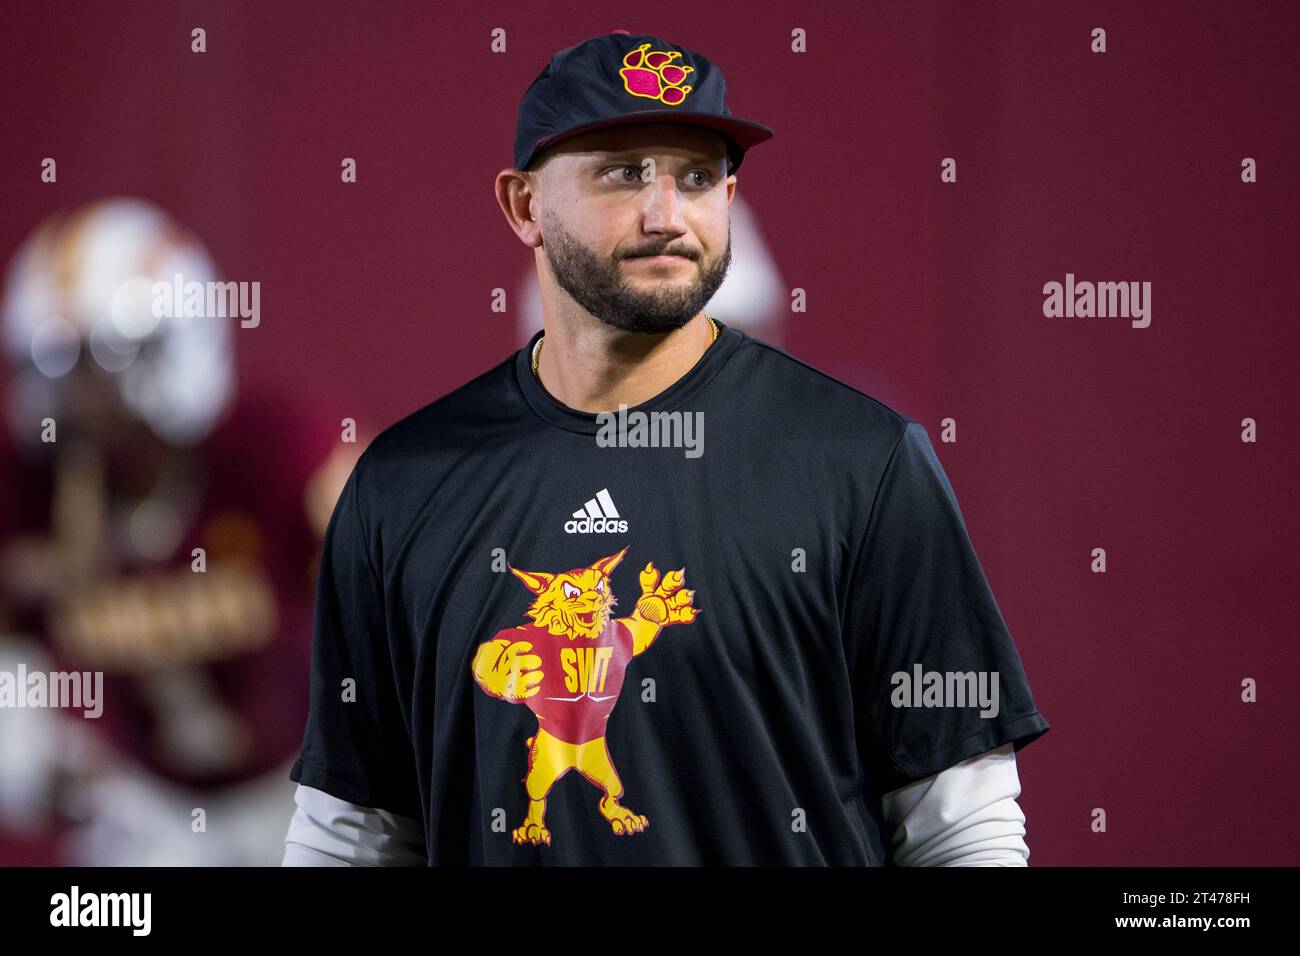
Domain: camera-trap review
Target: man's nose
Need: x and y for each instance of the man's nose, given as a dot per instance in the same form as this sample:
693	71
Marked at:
663	210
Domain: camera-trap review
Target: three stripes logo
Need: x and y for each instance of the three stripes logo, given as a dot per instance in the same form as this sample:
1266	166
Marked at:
597	516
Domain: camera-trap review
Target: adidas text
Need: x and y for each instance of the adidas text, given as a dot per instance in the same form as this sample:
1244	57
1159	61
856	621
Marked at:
597	516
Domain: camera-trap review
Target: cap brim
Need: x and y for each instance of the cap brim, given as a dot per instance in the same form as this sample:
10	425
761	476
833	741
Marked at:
744	133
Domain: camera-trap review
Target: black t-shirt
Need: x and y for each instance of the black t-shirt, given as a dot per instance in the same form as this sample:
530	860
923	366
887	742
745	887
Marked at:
714	639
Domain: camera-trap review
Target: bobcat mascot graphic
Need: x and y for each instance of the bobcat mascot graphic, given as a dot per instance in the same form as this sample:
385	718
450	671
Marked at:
567	666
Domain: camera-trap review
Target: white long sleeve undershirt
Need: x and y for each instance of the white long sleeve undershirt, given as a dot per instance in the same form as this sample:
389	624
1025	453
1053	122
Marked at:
966	815
327	831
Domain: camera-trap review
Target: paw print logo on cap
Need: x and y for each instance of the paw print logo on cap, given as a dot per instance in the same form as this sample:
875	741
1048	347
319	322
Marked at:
653	75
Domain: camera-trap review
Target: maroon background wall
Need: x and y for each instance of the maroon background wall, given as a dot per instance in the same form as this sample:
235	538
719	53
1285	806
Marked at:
1073	433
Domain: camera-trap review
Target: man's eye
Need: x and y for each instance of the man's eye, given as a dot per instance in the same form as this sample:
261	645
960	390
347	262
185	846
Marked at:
697	178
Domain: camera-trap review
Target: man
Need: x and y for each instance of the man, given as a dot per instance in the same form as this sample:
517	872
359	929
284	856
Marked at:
719	639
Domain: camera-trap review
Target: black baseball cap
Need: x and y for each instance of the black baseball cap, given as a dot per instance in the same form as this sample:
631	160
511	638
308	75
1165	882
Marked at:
624	78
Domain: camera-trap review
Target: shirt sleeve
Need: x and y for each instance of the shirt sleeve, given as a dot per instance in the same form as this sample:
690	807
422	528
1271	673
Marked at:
966	815
327	831
937	677
357	745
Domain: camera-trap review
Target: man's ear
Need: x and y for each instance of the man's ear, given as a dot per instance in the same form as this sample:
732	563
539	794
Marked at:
517	195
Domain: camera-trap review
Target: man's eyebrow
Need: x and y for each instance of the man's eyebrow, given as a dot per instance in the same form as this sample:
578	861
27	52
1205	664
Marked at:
610	155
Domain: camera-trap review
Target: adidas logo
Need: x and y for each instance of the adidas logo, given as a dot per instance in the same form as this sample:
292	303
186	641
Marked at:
597	516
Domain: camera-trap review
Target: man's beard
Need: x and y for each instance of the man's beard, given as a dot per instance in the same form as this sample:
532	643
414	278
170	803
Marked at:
600	286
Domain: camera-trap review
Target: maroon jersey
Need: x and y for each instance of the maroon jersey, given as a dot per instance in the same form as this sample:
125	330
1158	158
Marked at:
581	679
253	470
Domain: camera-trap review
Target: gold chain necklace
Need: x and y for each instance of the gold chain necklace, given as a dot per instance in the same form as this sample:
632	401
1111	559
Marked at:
537	349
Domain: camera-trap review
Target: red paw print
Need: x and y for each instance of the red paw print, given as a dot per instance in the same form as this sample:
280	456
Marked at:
654	75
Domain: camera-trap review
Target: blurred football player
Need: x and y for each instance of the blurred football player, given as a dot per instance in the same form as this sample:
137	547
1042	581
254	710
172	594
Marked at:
160	529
